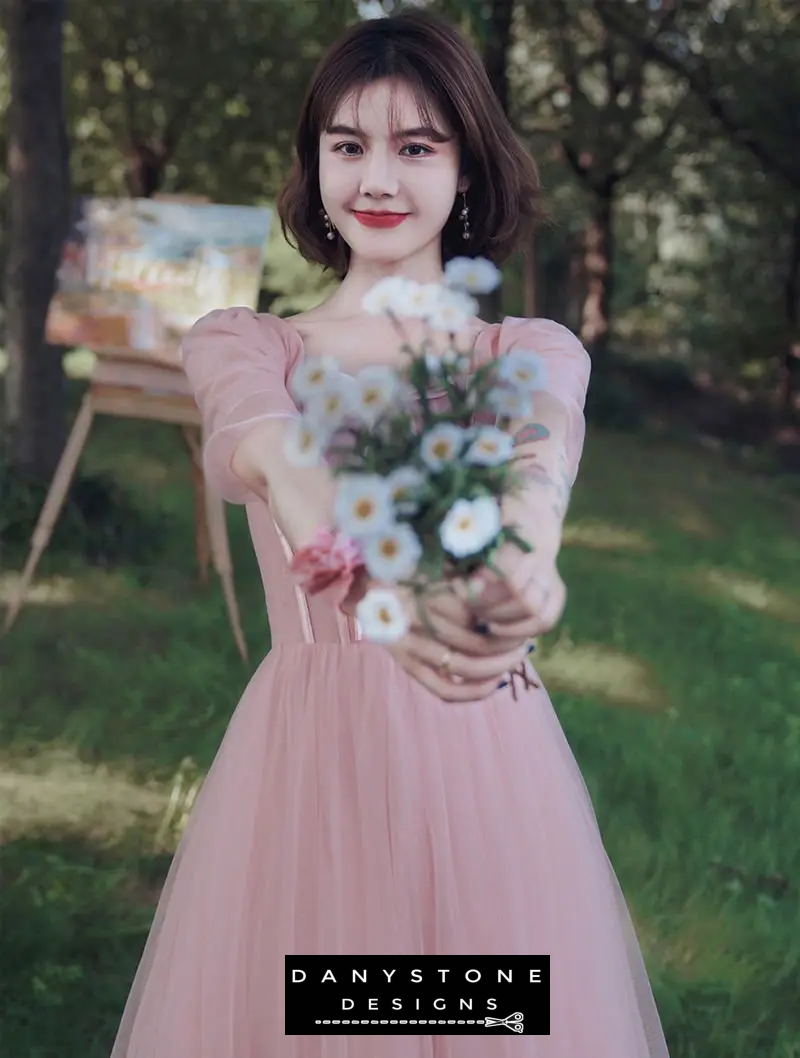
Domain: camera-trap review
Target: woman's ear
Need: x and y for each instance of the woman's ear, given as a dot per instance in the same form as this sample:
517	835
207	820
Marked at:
463	184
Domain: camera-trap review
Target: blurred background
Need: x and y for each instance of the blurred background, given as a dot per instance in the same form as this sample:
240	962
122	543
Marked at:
668	137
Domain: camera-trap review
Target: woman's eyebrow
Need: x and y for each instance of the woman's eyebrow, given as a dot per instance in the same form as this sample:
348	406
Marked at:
425	132
344	130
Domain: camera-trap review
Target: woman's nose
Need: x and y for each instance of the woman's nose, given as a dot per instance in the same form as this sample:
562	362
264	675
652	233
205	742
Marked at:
378	177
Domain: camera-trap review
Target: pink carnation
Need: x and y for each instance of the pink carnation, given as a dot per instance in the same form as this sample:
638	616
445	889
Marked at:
330	558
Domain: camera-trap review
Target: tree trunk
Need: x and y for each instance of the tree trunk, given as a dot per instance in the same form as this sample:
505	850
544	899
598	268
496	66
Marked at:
146	169
790	366
495	59
531	278
38	206
597	258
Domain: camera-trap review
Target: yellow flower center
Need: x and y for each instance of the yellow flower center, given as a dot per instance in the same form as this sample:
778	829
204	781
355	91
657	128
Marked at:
465	523
389	548
371	396
441	449
364	509
384	616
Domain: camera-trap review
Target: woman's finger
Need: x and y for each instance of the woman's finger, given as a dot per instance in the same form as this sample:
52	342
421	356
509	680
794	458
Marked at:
450	662
449	690
549	614
470	641
540	596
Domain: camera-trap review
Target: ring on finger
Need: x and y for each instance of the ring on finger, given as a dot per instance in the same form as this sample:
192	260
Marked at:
445	663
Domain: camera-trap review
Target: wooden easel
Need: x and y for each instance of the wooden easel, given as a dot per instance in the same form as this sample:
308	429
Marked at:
156	391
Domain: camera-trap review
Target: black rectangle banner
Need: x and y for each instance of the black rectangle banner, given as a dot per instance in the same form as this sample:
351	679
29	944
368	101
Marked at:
397	995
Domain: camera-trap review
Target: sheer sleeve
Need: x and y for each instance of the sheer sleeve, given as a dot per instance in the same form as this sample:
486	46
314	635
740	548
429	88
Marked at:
237	364
548	447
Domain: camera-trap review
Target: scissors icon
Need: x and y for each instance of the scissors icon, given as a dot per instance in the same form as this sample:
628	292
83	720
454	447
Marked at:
513	1022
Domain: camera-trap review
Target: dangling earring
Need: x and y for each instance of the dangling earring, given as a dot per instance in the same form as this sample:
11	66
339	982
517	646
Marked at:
464	215
330	231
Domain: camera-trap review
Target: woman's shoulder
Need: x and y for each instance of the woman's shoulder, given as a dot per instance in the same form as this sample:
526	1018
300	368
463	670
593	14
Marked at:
515	331
568	364
242	320
244	330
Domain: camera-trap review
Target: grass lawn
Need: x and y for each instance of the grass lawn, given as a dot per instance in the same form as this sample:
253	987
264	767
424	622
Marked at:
676	673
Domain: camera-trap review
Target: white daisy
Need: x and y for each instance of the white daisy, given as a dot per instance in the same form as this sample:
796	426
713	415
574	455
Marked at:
441	445
454	311
363	505
490	447
420	300
329	407
393	555
381	616
388	295
405	484
509	403
313	375
475	275
377	388
522	369
469	526
304	443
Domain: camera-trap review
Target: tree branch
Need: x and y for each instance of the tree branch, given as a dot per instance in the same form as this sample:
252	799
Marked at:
700	81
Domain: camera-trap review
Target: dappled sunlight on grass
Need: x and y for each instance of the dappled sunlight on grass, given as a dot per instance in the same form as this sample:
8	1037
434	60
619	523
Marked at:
705	947
599	671
602	536
152	473
53	591
688	517
751	593
62	795
97	587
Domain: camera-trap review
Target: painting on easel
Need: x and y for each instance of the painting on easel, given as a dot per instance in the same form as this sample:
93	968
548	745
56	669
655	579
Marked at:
135	275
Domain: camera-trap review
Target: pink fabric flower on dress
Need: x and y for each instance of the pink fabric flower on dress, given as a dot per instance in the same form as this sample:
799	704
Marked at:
330	558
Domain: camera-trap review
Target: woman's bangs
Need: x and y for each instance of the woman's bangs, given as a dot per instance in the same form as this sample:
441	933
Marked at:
429	110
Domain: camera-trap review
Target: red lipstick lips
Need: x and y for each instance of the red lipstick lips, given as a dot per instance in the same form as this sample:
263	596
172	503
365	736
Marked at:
379	219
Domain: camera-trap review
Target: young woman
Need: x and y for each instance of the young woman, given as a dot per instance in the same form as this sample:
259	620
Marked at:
374	800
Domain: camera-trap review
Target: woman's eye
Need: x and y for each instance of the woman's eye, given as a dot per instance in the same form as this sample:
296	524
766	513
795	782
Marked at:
419	150
344	148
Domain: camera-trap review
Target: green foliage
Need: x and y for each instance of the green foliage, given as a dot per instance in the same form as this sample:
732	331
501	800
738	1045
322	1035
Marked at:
99	520
292	284
208	92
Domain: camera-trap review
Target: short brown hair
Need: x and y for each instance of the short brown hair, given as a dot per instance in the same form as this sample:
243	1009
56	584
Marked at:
441	69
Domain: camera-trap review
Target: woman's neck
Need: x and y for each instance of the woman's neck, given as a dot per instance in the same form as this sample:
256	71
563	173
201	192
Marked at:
363	274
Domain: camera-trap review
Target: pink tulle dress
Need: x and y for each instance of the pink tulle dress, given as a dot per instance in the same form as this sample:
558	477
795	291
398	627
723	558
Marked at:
350	811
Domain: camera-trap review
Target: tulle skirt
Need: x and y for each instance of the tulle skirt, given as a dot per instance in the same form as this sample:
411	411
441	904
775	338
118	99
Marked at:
350	812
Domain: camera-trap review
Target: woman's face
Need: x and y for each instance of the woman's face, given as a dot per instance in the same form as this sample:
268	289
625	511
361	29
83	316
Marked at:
388	183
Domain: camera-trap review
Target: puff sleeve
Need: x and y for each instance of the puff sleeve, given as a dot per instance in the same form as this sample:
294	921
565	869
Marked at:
237	364
548	447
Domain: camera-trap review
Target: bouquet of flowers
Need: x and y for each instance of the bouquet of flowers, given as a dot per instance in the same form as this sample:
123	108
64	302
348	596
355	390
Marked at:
420	478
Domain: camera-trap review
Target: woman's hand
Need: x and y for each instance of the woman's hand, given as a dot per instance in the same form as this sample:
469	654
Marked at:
526	599
442	650
444	653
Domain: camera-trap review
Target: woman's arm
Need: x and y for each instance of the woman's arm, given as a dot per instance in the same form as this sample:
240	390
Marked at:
300	498
547	453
